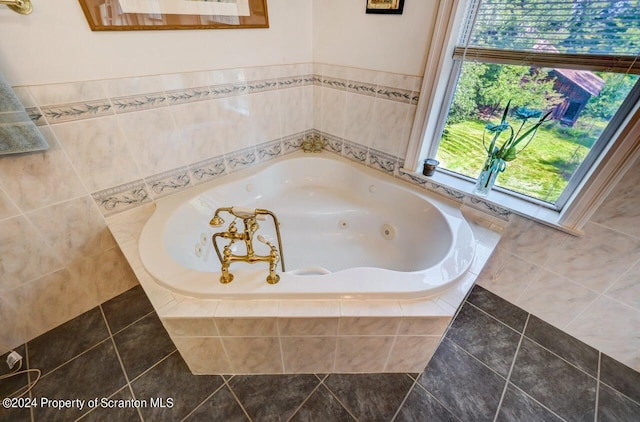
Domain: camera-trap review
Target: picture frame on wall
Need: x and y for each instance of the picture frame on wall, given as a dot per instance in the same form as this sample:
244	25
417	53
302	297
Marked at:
391	7
131	15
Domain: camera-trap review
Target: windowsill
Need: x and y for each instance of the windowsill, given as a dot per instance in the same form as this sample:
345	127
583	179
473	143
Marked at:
505	200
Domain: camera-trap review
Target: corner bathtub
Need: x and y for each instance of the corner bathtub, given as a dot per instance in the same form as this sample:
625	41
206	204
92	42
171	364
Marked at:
348	232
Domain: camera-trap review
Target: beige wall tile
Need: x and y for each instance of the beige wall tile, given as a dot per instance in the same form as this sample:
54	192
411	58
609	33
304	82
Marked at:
507	275
362	353
265	114
308	326
596	259
254	355
98	151
308	355
64	93
51	300
198	131
375	326
247	327
359	117
627	288
531	241
16	329
389	133
203	355
153	140
39	179
411	353
427	326
620	210
190	327
7	209
73	229
104	275
555	299
333	103
611	327
25	255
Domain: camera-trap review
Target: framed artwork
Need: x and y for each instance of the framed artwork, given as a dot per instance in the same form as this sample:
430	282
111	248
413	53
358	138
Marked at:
127	15
393	7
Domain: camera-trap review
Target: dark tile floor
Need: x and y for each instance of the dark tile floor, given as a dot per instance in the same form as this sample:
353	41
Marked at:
496	362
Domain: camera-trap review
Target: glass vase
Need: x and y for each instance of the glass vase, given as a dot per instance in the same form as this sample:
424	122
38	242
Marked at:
492	167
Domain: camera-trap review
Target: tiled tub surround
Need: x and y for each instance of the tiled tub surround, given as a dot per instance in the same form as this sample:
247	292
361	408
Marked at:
534	266
300	336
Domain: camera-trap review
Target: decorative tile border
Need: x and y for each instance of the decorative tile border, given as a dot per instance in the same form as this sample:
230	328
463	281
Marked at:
139	102
77	111
36	116
363	88
382	161
127	196
339	84
123	197
206	170
331	143
354	152
411	177
488	207
241	159
295	81
293	143
394	94
168	182
182	96
228	90
124	104
262	86
269	150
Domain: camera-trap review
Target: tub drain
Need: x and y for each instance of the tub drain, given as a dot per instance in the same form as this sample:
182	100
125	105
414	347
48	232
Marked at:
388	231
343	224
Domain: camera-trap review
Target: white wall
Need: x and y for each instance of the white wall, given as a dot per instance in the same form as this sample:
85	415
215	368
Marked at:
54	44
343	34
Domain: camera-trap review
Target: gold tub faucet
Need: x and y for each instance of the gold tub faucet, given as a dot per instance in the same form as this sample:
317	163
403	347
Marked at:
249	219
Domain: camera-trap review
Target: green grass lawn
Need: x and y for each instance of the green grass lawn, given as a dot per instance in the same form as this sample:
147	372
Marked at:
540	171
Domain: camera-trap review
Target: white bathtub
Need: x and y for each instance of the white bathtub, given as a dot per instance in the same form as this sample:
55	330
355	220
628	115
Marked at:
348	232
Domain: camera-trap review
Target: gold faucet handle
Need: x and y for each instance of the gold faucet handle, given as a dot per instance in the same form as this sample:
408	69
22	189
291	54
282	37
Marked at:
263	240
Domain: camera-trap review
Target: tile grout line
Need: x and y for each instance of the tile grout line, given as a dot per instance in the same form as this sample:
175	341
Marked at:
297	409
128	325
336	397
84	352
406	396
154	365
538	402
115	348
513	364
26	352
595	413
205	400
438	401
235	396
538	344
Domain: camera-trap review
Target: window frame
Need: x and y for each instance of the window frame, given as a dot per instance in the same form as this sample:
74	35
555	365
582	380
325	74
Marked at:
437	90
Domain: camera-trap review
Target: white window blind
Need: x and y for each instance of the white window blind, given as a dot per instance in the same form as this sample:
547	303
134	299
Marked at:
581	34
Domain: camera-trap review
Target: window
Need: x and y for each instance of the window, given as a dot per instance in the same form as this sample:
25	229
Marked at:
577	59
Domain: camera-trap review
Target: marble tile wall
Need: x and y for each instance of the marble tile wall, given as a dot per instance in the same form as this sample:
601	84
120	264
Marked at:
125	142
298	345
587	286
116	144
